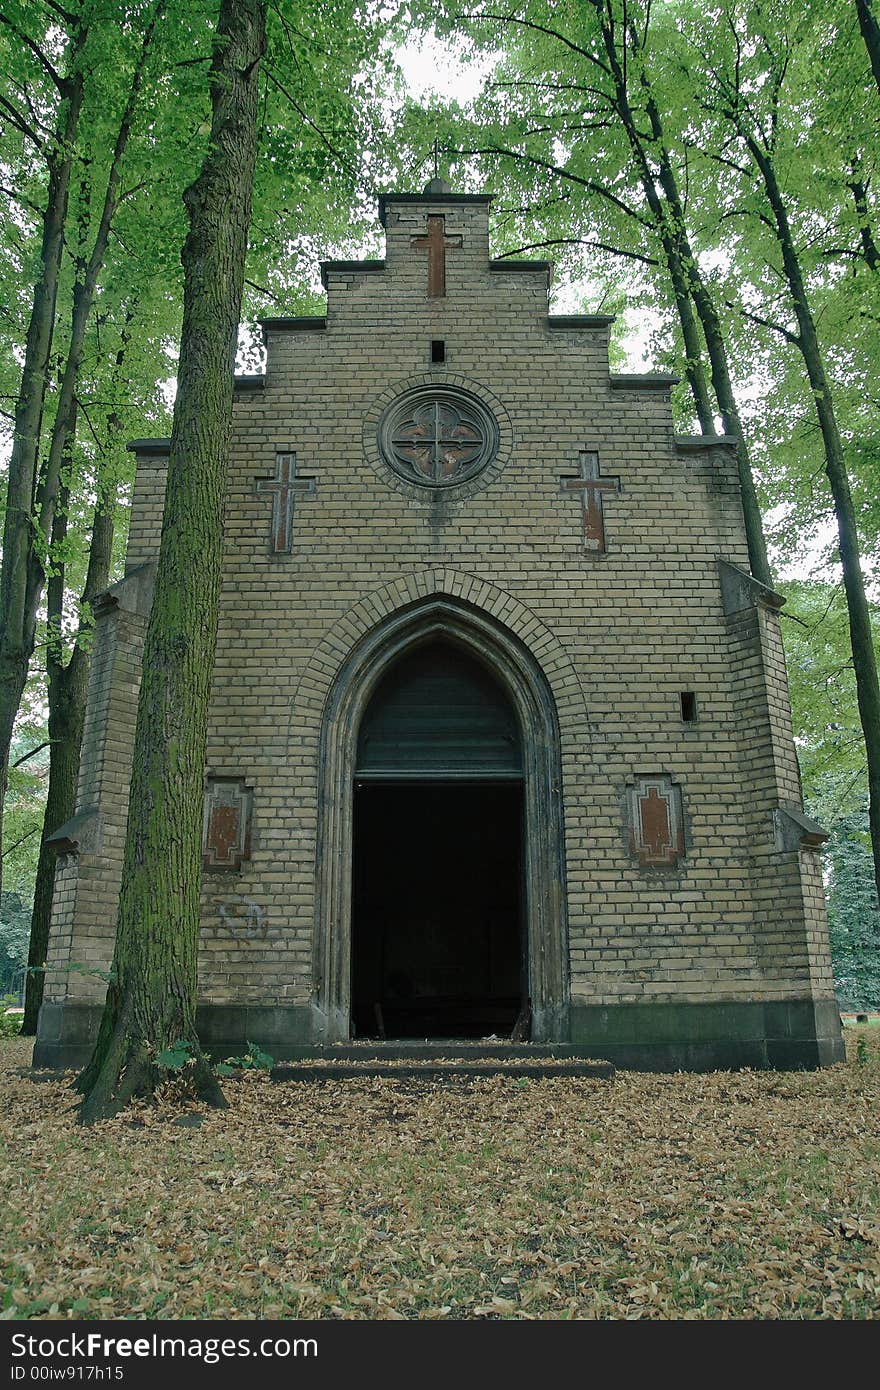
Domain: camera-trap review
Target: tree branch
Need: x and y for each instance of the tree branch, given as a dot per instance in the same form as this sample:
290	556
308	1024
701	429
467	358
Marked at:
793	338
581	241
276	82
32	754
38	53
563	174
59	10
15	118
540	29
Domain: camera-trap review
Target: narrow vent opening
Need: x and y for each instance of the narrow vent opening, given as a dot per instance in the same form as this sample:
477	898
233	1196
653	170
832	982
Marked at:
688	707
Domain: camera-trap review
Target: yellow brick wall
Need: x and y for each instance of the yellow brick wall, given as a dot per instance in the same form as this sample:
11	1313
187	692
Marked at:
618	635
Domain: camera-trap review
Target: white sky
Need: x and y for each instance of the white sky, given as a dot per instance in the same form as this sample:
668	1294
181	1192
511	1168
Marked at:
436	68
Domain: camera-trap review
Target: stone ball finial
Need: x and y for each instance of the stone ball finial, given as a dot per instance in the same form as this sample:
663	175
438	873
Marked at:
437	185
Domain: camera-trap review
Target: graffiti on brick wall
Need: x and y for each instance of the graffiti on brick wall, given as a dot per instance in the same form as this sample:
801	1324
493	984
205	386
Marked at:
243	920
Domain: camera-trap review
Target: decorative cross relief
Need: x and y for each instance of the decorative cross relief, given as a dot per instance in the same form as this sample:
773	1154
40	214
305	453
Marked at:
436	243
656	823
226	826
284	489
591	487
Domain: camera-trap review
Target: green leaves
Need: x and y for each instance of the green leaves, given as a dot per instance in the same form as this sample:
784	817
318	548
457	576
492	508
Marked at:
176	1057
255	1059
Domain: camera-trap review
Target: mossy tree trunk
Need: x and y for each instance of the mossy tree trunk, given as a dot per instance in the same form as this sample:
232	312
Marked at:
151	999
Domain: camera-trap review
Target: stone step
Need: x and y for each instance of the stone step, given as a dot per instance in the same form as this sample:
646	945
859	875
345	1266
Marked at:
440	1071
433	1049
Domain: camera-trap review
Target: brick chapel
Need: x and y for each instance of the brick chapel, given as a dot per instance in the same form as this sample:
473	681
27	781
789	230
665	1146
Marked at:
500	742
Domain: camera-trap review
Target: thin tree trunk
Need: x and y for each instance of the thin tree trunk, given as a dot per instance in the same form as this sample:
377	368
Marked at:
89	270
151	999
67	693
676	229
16	632
719	366
861	634
859	189
694	373
870	27
67	687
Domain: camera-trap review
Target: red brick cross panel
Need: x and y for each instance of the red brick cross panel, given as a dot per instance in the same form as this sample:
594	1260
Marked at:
591	487
655	815
226	827
436	243
284	489
657	843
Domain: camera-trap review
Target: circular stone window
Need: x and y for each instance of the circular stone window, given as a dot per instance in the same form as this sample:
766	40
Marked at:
438	436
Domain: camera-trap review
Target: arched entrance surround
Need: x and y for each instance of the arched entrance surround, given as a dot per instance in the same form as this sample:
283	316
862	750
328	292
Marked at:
459	623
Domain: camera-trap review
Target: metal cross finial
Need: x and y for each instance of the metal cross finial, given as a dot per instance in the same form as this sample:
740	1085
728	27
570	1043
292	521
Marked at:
436	157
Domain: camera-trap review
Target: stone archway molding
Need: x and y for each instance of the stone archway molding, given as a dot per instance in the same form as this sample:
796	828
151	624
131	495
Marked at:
458	620
313	690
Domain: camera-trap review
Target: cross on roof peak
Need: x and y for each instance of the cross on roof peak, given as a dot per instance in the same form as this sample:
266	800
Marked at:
436	243
437	184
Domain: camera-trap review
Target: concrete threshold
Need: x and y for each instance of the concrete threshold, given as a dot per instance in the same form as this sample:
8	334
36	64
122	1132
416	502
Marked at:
435	1059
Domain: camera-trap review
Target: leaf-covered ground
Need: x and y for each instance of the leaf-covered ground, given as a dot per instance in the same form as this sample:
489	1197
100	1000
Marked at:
745	1195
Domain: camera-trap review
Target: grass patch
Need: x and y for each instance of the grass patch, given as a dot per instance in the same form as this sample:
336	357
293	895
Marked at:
10	1024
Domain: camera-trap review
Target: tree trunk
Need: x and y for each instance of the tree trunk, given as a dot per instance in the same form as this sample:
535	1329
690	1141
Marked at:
870	27
67	697
859	189
861	634
89	269
151	999
67	691
711	325
720	371
17	643
68	688
671	250
16	633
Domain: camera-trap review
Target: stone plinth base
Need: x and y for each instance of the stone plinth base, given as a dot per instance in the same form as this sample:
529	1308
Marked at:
786	1035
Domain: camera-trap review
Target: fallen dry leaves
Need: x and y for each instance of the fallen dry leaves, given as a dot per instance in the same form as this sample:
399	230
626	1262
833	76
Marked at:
729	1195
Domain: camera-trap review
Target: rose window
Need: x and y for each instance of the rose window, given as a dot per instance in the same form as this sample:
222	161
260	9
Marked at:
438	436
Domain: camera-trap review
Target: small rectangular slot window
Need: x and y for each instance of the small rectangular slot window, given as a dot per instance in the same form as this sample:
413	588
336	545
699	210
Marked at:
688	707
438	350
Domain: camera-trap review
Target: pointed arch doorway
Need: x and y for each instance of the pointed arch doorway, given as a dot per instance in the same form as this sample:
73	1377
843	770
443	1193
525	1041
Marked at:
439	947
504	670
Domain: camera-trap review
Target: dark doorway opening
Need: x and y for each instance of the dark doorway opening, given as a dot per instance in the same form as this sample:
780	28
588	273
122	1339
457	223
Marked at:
437	921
